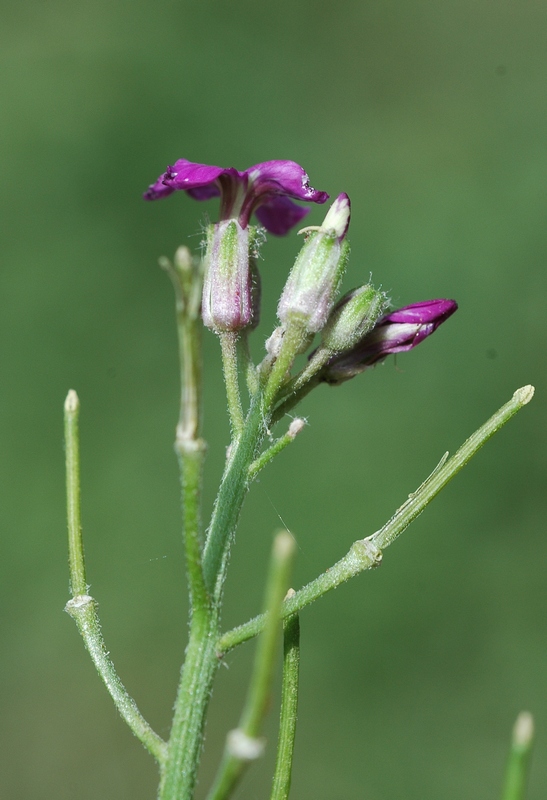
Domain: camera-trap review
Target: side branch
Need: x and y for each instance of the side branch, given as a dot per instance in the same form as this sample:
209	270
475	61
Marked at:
367	553
82	607
186	276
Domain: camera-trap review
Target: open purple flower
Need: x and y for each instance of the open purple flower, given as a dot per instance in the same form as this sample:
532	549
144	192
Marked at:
267	189
396	332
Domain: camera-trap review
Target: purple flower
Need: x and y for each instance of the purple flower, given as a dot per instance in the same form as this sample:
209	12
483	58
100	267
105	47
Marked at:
267	189
397	332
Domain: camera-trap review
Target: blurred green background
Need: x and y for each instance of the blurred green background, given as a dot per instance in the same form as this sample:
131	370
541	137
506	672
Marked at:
433	117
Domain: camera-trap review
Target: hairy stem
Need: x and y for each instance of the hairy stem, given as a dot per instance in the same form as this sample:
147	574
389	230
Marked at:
289	704
228	343
186	738
82	607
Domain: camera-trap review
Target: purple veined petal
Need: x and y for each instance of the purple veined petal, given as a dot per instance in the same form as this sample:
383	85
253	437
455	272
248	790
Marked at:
279	214
283	178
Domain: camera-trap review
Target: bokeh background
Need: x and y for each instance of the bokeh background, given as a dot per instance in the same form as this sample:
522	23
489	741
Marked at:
433	117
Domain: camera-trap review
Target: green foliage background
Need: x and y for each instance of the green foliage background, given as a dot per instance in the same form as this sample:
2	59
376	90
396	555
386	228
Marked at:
432	116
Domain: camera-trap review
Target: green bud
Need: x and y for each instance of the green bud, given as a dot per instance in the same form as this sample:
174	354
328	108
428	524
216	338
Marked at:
311	287
353	317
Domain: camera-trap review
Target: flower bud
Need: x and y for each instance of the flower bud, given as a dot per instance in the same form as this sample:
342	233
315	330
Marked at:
353	316
230	285
311	287
397	332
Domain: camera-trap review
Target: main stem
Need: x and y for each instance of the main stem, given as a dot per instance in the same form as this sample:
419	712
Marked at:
201	662
186	740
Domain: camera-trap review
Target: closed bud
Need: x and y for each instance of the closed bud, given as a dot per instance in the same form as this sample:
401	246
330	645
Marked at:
312	285
353	316
396	332
230	285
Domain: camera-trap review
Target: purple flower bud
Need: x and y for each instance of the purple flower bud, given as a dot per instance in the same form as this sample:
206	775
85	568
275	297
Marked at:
397	332
311	287
267	189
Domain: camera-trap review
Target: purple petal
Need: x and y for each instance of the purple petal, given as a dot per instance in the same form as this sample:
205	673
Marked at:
204	192
279	215
157	190
187	175
423	312
284	178
268	185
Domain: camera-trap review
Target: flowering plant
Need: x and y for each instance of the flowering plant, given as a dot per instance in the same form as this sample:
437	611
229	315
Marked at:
222	291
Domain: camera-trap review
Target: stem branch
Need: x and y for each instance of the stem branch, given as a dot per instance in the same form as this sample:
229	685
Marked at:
289	703
366	553
82	607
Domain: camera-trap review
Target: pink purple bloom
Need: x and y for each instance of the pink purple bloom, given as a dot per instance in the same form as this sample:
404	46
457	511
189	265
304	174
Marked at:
396	332
267	189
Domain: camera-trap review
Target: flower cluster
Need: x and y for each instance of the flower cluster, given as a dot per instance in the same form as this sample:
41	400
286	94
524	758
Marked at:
355	332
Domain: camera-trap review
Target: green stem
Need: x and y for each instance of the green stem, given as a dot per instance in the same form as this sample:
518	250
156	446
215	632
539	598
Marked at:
242	745
362	555
186	738
228	344
78	582
201	661
189	445
516	775
418	500
251	374
294	399
82	607
291	344
229	501
366	553
280	444
300	384
191	455
197	673
289	704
